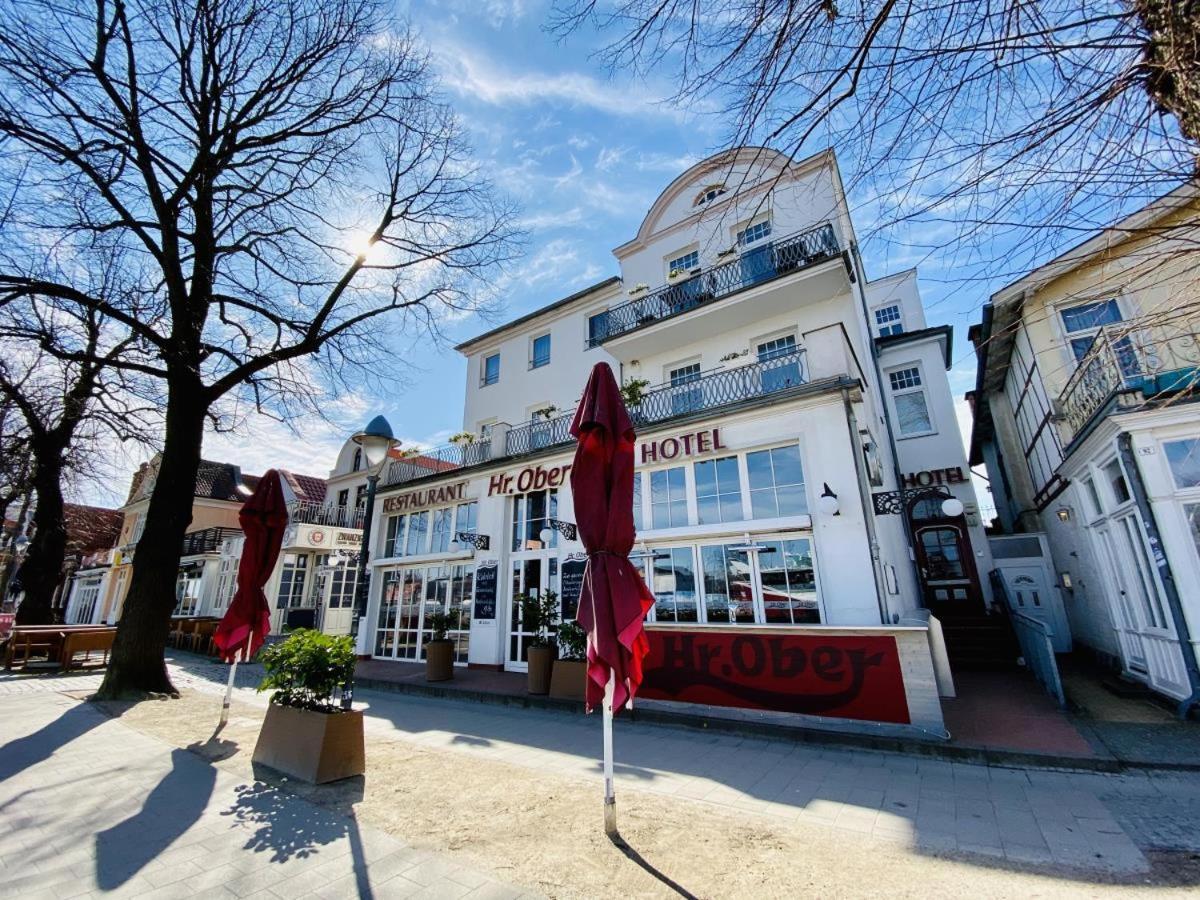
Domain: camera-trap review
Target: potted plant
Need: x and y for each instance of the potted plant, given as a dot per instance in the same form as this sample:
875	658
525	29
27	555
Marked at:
538	616
305	734
633	391
546	412
463	437
570	669
640	288
439	649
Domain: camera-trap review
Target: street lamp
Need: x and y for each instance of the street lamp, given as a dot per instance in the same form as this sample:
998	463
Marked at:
376	441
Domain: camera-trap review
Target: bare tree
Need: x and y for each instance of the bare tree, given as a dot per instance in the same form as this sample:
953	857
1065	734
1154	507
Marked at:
70	393
980	121
279	176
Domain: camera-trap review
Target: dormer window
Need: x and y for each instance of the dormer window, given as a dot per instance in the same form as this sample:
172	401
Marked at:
888	320
709	194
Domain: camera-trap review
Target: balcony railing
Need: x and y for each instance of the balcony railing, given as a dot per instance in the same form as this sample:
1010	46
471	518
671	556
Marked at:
207	540
753	266
306	512
440	459
715	389
1153	360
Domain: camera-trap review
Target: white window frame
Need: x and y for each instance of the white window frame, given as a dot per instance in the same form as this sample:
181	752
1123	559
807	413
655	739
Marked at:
483	366
893	393
1065	337
678	256
533	363
877	326
740	230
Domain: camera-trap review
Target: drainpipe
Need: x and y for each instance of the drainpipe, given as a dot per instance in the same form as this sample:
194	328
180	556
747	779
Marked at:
1150	524
864	494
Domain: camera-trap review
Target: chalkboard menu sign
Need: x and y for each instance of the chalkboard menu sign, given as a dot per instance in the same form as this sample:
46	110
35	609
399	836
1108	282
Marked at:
485	589
571	582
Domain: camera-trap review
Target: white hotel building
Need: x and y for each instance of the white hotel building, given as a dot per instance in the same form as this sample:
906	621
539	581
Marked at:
774	372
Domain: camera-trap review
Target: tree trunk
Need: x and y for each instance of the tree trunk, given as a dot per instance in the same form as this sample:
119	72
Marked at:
1171	60
10	558
41	569
137	665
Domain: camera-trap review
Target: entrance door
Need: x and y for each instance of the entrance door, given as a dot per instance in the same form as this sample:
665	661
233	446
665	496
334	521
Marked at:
948	580
1029	593
532	575
338	596
1126	618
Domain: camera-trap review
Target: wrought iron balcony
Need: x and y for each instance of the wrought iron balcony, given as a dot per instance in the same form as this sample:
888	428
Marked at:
754	266
306	512
440	459
1132	360
712	390
207	540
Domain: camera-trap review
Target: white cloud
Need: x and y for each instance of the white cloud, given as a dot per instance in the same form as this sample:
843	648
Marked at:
472	74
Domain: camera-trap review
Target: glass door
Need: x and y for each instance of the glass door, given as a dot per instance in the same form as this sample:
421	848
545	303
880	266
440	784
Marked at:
729	585
531	575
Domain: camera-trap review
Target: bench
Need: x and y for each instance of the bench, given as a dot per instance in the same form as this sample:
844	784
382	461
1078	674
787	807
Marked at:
85	642
40	639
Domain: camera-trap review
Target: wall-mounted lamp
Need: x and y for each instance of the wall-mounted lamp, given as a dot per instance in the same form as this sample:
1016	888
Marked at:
1063	513
1064	579
464	539
566	529
952	508
828	501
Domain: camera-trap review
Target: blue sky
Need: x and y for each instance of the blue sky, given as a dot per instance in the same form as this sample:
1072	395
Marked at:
584	154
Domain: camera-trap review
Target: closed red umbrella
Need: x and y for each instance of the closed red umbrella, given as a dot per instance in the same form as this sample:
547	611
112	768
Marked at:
614	600
247	622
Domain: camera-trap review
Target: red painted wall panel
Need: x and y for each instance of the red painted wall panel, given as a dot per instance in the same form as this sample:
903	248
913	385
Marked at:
845	676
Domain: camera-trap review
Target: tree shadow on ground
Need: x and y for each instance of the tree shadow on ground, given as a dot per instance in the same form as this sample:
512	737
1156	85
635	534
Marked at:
288	826
19	755
170	809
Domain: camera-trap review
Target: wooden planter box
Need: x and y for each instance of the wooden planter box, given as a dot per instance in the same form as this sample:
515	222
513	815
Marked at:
569	680
439	660
312	746
540	661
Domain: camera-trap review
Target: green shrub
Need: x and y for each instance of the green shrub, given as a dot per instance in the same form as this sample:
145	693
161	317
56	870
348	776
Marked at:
538	616
572	641
307	668
438	624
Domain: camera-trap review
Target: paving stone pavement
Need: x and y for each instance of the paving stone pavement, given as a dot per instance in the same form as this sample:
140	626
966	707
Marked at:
1024	816
90	807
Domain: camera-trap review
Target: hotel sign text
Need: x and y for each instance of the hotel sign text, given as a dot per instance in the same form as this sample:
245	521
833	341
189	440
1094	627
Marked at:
692	444
928	477
531	478
450	493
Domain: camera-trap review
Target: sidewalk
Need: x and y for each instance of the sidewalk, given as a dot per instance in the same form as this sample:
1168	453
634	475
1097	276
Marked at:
93	807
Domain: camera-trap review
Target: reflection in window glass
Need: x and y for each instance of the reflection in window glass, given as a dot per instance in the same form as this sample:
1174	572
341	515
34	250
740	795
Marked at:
467	516
1192	511
530	514
1184	459
674	585
668	498
789	587
718	490
443	520
728	587
940	547
418	533
776	483
1116	481
637	502
394	544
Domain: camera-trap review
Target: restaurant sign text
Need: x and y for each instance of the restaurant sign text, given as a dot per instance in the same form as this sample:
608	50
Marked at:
450	493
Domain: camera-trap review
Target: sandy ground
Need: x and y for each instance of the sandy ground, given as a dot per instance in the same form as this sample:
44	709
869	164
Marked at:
545	831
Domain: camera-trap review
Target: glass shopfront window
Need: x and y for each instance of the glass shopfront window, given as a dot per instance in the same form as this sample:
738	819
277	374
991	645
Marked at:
418	532
637	502
410	596
728	584
530	514
187	591
718	490
393	544
673	582
789	584
443	522
668	498
466	516
776	483
769	581
291	581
